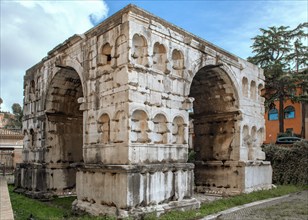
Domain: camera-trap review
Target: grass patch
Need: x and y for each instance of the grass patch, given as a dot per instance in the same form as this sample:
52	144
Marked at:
60	208
57	209
223	204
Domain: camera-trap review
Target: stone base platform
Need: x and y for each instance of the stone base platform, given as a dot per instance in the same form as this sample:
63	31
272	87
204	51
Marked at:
123	190
43	181
135	213
232	177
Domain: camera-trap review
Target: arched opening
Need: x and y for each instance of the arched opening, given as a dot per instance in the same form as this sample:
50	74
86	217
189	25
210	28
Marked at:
216	129
215	112
64	129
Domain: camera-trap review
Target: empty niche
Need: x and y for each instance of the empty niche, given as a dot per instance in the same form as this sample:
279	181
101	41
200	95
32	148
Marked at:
260	87
38	92
26	143
178	62
252	143
246	135
178	131
139	50
38	85
26	92
91	64
245	131
26	139
119	127
104	128
139	127
159	57
32	139
91	60
254	132
160	134
32	91
105	57
121	50
253	90
260	135
245	87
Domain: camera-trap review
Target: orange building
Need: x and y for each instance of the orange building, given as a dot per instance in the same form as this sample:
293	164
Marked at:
295	120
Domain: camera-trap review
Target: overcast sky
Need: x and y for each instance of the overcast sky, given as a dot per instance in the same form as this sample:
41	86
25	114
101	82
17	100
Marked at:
29	29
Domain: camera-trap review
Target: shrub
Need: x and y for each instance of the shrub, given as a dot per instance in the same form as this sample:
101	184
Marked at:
290	164
191	156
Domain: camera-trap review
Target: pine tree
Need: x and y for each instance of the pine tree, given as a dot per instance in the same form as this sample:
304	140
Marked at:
282	53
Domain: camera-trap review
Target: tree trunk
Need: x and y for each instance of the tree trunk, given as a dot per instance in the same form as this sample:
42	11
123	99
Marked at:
303	132
281	114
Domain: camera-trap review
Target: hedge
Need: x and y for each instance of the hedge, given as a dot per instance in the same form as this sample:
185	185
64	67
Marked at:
290	164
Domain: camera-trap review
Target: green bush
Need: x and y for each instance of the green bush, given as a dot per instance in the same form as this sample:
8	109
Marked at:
290	164
191	156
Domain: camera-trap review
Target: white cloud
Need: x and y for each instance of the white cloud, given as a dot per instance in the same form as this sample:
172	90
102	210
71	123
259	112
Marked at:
29	29
264	14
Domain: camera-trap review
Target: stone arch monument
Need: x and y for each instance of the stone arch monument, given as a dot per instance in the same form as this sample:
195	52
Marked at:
108	114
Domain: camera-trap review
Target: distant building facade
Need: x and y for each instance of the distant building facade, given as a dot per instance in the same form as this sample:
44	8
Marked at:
11	144
295	120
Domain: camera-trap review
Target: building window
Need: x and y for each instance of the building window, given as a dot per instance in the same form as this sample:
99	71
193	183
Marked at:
273	114
289	112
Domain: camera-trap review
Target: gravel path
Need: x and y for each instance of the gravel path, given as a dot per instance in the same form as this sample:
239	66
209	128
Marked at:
292	207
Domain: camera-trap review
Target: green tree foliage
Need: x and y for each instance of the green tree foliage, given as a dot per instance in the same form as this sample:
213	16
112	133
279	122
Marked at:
283	54
14	121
